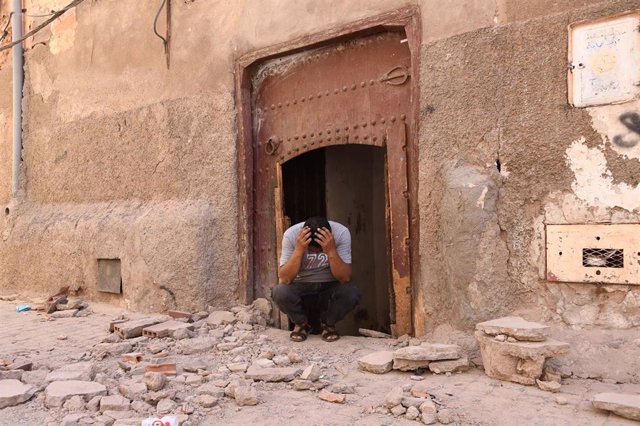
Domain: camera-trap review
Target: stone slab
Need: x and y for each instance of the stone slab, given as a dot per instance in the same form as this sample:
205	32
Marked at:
408	365
622	404
57	393
14	392
70	313
516	327
428	352
78	371
278	374
449	366
378	362
11	375
549	348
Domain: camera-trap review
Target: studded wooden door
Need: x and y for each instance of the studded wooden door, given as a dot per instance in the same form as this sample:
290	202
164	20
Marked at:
355	92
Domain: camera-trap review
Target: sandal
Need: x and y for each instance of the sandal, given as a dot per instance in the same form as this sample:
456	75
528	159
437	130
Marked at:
330	333
299	335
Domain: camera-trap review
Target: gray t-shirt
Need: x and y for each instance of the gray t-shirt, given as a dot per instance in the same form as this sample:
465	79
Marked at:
315	266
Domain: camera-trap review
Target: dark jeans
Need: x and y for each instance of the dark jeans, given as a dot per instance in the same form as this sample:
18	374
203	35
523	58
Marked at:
336	300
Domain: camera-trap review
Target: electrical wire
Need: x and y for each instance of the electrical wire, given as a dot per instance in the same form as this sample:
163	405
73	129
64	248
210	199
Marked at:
6	27
165	40
53	17
155	25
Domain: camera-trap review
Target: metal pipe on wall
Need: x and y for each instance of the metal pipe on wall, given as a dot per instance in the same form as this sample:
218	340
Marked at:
18	77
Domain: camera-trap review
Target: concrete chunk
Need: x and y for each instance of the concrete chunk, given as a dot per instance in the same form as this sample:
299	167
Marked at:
79	371
622	404
132	389
312	372
216	318
377	362
428	352
196	345
519	362
516	327
284	374
449	366
57	393
64	314
407	365
14	392
337	398
11	375
114	403
245	395
548	386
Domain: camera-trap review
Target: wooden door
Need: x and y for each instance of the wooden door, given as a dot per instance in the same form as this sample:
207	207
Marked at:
355	92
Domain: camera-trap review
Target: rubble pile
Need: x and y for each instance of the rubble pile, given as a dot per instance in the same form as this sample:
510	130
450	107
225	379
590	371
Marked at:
198	367
185	365
516	350
414	402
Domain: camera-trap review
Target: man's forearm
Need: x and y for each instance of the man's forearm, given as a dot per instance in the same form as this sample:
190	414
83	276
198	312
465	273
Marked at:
288	271
340	270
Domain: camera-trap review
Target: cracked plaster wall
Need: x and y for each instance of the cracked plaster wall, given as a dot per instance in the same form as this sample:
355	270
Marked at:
124	157
500	94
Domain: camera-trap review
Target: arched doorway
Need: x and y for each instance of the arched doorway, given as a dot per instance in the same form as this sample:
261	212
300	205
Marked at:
349	93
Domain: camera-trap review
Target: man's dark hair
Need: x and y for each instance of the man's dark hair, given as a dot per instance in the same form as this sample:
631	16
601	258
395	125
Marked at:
314	223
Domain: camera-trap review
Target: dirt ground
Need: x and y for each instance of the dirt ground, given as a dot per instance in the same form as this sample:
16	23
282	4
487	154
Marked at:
471	397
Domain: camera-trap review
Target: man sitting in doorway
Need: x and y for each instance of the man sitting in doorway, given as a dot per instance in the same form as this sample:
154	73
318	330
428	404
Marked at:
316	261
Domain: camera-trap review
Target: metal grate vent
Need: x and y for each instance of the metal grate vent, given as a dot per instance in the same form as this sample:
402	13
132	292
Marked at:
602	258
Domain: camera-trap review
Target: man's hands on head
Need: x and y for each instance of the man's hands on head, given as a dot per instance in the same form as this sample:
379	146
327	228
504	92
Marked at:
288	271
340	270
324	237
303	239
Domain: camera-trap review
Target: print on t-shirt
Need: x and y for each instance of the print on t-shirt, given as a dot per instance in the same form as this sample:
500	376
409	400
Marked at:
315	260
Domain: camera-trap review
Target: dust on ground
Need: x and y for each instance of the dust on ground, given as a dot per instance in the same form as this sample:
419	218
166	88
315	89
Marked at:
471	398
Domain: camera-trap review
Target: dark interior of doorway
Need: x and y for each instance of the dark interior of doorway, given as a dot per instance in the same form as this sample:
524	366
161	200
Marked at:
347	185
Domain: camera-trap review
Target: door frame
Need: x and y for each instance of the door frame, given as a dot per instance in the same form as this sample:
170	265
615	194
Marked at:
406	19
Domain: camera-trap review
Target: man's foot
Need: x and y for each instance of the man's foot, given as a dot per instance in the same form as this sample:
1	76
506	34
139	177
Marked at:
299	333
330	333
